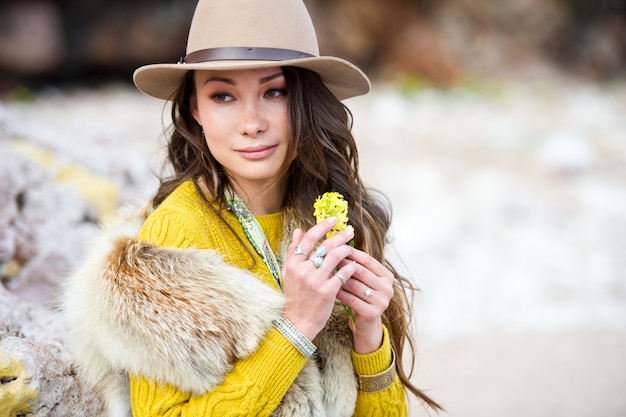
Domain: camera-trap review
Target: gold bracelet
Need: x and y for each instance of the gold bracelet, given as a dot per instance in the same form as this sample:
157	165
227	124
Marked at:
381	381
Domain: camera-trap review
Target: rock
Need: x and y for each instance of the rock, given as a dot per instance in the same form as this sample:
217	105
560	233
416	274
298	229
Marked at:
53	193
36	372
37	378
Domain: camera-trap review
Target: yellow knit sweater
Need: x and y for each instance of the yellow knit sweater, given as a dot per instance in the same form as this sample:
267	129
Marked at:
256	384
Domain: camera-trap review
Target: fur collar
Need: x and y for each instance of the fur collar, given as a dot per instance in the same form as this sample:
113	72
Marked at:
136	308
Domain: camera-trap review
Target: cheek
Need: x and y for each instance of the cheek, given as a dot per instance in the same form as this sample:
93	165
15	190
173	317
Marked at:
218	123
216	134
282	122
214	142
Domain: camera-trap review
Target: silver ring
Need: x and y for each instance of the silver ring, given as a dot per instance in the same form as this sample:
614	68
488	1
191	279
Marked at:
299	251
317	261
367	293
343	280
321	252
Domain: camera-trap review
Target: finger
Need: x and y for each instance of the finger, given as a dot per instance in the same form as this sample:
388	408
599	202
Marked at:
369	309
296	238
366	303
294	247
359	289
345	273
363	278
316	233
343	279
330	246
369	262
331	261
373	273
338	240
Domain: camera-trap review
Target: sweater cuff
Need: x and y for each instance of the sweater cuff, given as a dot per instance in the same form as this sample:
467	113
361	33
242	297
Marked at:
292	334
375	362
276	363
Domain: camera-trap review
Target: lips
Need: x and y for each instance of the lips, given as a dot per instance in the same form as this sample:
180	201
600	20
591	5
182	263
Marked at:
257	152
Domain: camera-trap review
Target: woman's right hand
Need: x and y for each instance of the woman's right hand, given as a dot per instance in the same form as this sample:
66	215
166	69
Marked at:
311	290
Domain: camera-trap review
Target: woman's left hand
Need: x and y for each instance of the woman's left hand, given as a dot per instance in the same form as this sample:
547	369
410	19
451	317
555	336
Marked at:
368	292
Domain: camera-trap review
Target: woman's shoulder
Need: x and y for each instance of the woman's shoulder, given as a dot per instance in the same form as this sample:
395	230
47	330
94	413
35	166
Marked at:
181	220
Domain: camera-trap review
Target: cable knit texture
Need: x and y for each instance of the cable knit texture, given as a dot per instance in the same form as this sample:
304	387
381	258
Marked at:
177	322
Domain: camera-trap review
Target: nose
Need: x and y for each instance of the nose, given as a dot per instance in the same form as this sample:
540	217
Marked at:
253	120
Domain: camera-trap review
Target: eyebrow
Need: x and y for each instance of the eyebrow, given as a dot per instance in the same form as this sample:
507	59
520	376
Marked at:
232	82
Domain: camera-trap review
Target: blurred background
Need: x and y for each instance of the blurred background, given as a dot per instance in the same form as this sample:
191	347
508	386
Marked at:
65	41
496	129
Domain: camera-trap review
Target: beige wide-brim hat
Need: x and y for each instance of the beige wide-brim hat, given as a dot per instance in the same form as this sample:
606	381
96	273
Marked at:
248	34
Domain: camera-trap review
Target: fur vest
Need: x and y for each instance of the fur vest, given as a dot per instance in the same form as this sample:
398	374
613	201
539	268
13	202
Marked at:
184	317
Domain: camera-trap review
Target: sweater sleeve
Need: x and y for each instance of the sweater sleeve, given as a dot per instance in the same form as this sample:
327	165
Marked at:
255	386
390	402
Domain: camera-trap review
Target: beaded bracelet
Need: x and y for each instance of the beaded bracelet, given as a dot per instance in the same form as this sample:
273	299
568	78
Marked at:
381	381
292	334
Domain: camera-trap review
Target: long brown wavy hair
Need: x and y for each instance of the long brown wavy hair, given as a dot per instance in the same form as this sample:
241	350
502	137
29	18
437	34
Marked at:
322	156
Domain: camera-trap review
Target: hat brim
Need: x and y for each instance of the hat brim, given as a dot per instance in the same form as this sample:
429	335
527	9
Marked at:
344	79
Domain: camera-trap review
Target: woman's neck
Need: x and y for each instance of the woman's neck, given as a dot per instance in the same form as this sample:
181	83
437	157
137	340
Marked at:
259	200
262	200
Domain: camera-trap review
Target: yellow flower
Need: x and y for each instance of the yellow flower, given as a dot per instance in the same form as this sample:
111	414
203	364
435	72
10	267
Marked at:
329	205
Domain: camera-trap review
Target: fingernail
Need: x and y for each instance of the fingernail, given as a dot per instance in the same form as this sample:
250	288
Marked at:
332	220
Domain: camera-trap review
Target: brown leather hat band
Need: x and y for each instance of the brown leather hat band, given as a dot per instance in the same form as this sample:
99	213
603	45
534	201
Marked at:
239	53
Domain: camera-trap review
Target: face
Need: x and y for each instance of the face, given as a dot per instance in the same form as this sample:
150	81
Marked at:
244	117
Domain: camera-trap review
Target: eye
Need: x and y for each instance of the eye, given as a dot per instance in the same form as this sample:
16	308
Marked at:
276	92
221	97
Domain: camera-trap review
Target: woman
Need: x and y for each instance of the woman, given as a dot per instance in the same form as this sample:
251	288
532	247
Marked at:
224	297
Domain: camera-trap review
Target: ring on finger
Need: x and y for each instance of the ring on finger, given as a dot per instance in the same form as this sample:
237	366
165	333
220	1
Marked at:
317	261
367	293
343	280
299	251
321	252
